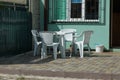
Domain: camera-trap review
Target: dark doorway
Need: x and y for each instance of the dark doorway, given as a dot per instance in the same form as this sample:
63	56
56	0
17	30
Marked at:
115	24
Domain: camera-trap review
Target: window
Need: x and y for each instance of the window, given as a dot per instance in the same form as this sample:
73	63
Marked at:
76	10
91	10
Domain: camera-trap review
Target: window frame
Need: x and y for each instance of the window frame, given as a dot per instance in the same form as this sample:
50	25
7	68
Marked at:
101	14
68	11
82	19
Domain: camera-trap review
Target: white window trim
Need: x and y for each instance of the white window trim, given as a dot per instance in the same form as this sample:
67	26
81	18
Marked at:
83	9
68	14
77	20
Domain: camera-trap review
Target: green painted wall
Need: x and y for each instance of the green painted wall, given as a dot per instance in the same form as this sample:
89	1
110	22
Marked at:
101	31
41	14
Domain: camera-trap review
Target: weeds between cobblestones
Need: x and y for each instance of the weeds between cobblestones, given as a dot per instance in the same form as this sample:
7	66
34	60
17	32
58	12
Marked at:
19	77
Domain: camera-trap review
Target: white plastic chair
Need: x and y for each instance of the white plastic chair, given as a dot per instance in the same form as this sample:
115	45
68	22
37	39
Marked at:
69	33
85	41
36	42
47	40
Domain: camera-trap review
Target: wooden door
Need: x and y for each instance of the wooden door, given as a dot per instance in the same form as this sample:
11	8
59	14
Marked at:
115	23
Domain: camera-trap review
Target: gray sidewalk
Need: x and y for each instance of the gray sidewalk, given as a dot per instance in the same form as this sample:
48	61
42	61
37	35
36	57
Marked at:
105	66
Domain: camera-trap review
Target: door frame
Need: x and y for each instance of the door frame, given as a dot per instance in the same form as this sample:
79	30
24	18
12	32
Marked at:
111	22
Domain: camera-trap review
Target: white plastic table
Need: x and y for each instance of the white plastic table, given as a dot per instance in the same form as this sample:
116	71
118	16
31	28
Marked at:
62	42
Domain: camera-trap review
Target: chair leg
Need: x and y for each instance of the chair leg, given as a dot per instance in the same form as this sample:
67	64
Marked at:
88	48
55	51
75	48
43	51
38	50
35	49
80	46
71	50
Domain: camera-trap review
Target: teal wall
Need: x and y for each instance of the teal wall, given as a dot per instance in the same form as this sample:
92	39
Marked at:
101	31
41	14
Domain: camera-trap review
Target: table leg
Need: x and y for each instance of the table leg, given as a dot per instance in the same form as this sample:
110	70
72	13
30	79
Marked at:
62	46
73	44
43	51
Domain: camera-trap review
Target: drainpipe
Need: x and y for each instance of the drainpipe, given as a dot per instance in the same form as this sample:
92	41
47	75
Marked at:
46	15
29	5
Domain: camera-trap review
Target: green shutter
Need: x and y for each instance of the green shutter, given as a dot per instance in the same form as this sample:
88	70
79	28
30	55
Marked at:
102	11
51	5
59	9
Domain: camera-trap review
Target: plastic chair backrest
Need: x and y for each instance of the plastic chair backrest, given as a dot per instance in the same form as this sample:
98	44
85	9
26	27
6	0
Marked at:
35	35
86	36
68	34
47	37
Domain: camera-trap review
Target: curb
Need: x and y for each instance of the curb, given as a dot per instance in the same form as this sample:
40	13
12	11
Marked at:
48	73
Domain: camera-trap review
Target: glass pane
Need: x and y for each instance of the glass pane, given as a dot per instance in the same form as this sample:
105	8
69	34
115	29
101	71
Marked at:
76	10
91	9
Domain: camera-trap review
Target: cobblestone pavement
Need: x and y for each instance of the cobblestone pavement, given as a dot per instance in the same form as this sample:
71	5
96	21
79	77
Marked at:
98	66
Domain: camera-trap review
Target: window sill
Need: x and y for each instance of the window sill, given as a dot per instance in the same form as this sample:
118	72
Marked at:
75	21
